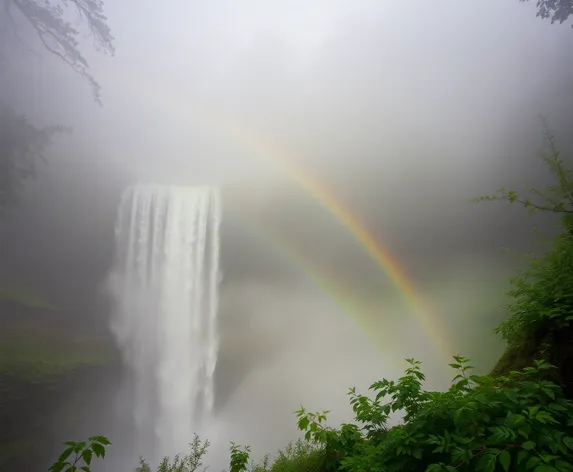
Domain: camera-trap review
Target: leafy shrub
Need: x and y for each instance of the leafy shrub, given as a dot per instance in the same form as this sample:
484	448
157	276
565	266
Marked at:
239	458
542	294
518	422
298	456
189	462
481	423
82	453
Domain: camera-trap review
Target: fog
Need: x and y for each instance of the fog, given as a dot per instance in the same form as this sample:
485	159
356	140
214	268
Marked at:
401	111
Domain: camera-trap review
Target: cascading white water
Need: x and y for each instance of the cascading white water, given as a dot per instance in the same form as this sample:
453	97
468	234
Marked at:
165	286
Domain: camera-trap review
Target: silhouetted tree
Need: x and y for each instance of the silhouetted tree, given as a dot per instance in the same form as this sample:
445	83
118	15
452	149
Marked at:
58	35
556	10
22	144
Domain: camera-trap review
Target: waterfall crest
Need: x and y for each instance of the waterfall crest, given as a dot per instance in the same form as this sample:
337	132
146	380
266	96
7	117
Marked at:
165	285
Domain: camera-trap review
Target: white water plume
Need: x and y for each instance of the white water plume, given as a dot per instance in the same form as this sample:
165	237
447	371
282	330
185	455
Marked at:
165	285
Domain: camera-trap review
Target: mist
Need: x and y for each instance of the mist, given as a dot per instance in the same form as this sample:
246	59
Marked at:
403	111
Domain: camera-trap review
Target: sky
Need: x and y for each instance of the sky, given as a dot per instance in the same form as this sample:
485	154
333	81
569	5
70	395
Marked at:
402	110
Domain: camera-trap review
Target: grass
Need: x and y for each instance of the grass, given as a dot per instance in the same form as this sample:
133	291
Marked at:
15	294
41	350
298	456
36	361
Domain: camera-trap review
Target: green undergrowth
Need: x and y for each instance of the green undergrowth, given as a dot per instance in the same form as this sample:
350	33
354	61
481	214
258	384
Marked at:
539	322
298	456
18	295
40	350
36	361
37	345
517	419
509	423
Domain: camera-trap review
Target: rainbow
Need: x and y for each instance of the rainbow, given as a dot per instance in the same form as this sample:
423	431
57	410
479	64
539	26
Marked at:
363	315
296	258
379	254
376	251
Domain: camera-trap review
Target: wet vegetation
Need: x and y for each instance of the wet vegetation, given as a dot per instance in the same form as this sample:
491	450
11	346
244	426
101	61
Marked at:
518	418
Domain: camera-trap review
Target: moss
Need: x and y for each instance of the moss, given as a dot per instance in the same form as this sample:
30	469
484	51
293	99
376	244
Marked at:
553	345
521	355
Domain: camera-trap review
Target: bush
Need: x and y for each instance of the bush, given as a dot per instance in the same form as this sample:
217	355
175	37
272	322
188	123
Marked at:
81	454
189	462
481	423
298	456
542	294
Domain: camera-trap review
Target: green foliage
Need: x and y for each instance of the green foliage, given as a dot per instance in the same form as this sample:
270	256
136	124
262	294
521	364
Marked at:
542	295
556	198
239	458
520	421
481	423
79	455
15	294
189	462
36	360
517	422
300	456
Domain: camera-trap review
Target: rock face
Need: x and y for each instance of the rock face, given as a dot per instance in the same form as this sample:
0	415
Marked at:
555	346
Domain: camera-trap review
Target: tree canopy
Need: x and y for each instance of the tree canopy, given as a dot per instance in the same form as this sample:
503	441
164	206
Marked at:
59	37
555	10
22	145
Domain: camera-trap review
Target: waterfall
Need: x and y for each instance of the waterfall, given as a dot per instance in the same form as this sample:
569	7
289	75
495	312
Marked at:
165	288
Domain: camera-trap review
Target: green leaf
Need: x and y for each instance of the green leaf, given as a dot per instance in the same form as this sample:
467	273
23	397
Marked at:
487	463
528	445
100	439
87	456
505	460
98	450
568	441
80	446
58	466
64	455
522	455
532	462
564	466
545	468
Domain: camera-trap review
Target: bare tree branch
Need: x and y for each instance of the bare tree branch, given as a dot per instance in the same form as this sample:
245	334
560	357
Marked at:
15	29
